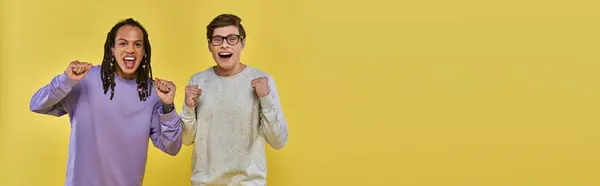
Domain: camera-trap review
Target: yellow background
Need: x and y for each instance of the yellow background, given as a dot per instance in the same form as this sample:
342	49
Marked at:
427	93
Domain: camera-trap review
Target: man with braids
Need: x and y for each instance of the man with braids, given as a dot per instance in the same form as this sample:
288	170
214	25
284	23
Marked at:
231	111
114	110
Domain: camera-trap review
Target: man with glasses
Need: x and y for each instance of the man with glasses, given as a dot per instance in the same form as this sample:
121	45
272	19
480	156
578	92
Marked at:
230	111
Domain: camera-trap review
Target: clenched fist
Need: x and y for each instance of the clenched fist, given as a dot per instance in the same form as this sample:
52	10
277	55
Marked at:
261	86
192	92
165	90
77	70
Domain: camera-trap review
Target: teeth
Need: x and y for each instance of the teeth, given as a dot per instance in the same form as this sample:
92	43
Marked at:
225	53
129	58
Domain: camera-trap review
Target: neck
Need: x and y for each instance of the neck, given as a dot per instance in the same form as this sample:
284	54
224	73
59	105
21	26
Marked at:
230	72
122	74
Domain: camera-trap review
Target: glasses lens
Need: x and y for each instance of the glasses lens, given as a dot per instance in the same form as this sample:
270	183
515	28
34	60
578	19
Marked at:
233	39
216	40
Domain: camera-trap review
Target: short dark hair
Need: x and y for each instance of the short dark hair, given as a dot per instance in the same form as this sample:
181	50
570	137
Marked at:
224	20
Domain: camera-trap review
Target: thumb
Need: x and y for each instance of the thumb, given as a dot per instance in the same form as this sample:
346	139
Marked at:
87	70
157	81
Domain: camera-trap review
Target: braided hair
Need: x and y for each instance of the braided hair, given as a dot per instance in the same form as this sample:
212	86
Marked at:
144	71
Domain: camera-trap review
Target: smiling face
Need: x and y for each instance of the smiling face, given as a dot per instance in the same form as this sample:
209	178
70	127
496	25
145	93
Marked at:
226	45
128	50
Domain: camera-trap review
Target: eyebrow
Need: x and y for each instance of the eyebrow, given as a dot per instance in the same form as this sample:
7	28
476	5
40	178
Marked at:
123	39
225	36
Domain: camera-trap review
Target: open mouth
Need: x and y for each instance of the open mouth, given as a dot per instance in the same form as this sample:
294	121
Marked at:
225	55
129	61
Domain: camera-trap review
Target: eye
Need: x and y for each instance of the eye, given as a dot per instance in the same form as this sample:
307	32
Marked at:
138	45
123	43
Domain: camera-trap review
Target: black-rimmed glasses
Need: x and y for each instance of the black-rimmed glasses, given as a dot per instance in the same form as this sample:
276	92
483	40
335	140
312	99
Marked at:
231	39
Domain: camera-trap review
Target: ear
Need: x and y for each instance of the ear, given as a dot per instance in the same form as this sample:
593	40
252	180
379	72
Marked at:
209	48
243	43
112	50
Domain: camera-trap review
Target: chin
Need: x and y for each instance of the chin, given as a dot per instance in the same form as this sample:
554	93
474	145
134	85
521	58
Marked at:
226	65
129	71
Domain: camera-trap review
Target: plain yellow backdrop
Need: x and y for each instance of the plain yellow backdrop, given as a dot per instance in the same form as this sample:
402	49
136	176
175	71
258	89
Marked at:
418	93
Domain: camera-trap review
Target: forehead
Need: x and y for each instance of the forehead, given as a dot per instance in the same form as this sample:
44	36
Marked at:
225	31
129	32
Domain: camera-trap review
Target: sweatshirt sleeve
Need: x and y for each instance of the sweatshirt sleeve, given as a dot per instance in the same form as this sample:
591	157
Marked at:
188	117
166	130
273	124
52	99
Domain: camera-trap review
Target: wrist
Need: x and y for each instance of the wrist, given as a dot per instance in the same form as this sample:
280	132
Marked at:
65	79
168	107
191	105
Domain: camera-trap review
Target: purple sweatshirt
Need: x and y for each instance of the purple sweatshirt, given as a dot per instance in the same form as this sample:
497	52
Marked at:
109	138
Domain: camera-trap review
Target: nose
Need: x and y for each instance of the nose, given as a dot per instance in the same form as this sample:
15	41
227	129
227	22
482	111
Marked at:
225	45
129	49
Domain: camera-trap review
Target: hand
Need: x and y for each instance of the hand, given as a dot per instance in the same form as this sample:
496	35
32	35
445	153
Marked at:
192	92
261	86
165	90
77	70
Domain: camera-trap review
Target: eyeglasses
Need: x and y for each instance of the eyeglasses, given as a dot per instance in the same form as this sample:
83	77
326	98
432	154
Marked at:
231	39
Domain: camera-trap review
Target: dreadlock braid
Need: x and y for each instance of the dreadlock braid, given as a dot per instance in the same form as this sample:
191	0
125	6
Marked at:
143	74
144	71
